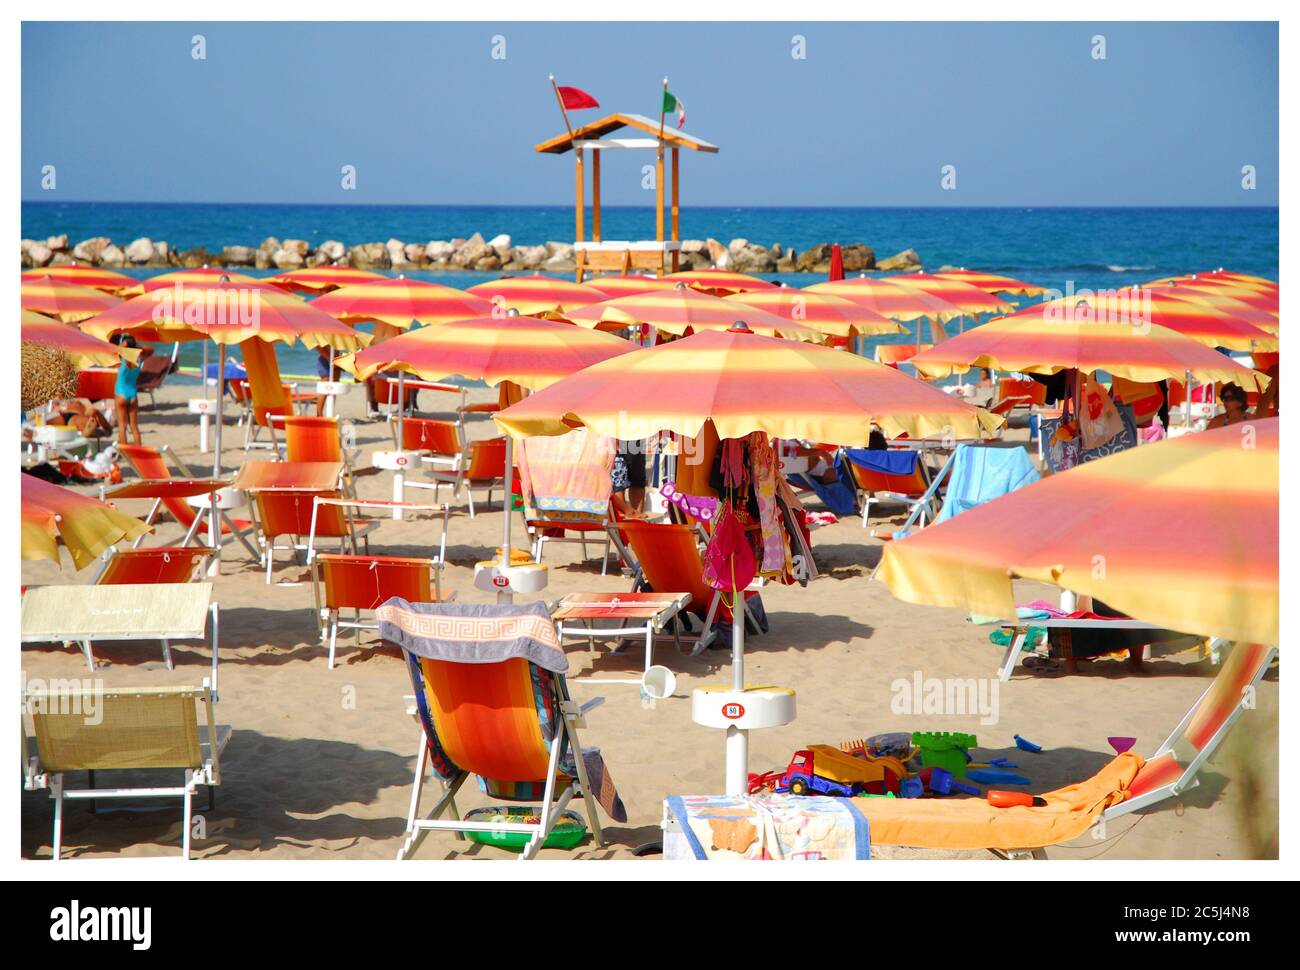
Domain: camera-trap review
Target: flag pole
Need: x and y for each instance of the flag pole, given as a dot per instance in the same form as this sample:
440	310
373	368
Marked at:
661	111
564	111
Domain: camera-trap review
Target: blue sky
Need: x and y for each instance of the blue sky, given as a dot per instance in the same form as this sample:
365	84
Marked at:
869	118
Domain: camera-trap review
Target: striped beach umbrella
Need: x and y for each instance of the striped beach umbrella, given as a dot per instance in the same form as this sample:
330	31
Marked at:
535	296
527	351
889	299
83	349
971	300
1214	326
827	314
683	310
615	287
401	303
1223	277
53	515
322	279
227	312
192	276
1147	531
720	282
64	301
1067	335
743	382
991	282
95	277
1225	301
1260	299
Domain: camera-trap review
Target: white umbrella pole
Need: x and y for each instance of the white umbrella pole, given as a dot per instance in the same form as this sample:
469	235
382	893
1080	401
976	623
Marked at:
737	739
214	518
504	595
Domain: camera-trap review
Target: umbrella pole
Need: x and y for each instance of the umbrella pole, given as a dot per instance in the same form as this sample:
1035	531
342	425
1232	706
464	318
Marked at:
214	517
737	739
401	402
507	504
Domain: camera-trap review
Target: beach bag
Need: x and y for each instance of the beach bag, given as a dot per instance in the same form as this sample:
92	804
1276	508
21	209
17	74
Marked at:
729	563
1099	421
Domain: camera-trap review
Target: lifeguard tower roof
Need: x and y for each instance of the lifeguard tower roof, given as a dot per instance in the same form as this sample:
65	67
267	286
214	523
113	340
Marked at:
595	131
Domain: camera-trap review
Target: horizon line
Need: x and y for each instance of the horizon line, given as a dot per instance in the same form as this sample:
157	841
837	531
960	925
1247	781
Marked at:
569	205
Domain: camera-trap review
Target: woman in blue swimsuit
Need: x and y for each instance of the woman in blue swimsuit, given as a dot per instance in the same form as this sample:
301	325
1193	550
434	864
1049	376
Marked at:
125	394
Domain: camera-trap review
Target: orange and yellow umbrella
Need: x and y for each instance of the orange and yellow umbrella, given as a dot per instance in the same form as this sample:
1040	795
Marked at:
1224	300
1223	277
1147	531
535	296
527	351
193	276
1253	296
719	282
826	314
890	299
64	301
52	514
991	282
683	310
1051	337
322	279
1193	318
228	313
615	287
969	299
744	382
401	303
94	277
85	350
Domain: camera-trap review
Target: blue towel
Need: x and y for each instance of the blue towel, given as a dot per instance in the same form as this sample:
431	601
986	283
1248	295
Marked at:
980	474
884	462
838	496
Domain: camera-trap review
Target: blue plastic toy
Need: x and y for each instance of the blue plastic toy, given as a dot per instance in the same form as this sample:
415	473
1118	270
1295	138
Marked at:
1024	745
964	788
992	776
911	788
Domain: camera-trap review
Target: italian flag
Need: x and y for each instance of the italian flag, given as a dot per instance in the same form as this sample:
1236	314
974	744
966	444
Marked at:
673	103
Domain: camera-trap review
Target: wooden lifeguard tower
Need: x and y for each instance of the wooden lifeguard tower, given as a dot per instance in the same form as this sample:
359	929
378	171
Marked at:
660	254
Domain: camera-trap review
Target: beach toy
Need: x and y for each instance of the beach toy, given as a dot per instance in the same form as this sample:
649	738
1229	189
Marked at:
937	780
993	763
943	749
1010	799
1024	745
964	788
911	788
991	776
568	833
1121	744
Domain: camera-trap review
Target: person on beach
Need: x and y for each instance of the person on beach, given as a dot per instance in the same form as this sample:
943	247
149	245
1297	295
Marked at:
1235	408
126	398
81	414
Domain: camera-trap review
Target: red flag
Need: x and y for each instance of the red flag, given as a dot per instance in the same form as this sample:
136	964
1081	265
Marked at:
575	98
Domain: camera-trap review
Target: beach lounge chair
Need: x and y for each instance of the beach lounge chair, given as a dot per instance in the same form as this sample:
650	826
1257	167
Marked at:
97	383
975	474
1127	784
162	564
633	614
491	700
293	514
153	372
151	464
133	728
342	582
442	442
891	476
483	465
668	561
313	438
565	484
158	611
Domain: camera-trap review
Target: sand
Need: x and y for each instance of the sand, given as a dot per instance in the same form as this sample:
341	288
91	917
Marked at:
321	761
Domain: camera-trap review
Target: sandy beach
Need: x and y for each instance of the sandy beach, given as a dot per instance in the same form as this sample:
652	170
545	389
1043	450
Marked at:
321	760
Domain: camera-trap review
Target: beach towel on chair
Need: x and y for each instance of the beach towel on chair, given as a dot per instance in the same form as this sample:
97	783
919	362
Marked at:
465	634
980	474
565	474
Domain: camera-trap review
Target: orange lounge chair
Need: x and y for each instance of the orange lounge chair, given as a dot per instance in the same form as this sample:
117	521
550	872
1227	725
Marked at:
442	441
365	583
313	438
912	490
151	465
482	466
491	700
271	418
97	383
668	561
1127	784
163	564
293	513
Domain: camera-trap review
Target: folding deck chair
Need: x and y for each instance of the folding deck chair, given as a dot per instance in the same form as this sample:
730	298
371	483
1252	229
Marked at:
1128	784
132	728
565	485
151	465
491	700
162	564
313	438
159	611
633	614
875	476
482	465
668	561
342	582
1020	630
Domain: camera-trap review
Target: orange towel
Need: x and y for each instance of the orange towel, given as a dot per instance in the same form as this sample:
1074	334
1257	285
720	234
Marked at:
972	823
